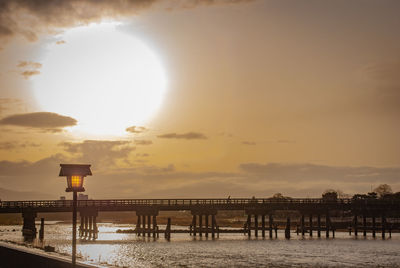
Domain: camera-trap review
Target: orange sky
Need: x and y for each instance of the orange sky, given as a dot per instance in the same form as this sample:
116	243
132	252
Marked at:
261	97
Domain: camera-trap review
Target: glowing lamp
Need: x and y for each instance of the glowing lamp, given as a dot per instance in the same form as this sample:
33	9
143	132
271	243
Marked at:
75	175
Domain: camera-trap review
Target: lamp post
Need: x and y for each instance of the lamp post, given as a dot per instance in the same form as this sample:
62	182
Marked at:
75	175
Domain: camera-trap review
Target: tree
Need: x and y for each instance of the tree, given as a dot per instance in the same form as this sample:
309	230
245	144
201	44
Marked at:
330	195
383	190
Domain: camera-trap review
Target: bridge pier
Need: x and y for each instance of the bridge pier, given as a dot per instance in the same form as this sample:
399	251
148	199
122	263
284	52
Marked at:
373	227
147	222
270	223
41	231
364	225
263	225
206	220
88	226
302	225
29	228
319	225
287	230
248	226
355	225
256	225
383	225
311	225
327	224
206	212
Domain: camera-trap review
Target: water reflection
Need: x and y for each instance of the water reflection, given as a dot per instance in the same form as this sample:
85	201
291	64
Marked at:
128	250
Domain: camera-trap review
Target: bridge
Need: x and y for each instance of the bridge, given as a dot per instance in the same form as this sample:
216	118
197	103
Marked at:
368	215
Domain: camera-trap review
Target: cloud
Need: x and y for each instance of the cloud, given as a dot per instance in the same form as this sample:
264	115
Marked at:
248	143
61	42
35	65
28	74
31	17
101	153
142	155
143	142
136	129
385	76
14	145
185	136
45	121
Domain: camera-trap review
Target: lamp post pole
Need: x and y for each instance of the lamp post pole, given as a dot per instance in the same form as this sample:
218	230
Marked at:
74	205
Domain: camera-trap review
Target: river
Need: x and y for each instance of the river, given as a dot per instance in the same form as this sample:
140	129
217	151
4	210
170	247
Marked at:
229	250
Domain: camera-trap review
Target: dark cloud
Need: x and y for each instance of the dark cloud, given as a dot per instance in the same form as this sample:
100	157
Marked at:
248	143
100	153
44	121
136	129
143	142
185	136
30	17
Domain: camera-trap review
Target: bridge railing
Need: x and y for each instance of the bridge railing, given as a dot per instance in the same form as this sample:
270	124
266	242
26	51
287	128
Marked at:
166	202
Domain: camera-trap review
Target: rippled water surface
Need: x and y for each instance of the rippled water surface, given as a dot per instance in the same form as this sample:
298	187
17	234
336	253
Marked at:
230	250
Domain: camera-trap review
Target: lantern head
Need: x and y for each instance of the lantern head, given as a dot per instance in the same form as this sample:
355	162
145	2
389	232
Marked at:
75	175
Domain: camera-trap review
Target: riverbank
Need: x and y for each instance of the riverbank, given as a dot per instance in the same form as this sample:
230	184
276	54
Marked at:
18	256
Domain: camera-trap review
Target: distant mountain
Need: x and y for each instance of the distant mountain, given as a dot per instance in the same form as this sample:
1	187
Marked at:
6	194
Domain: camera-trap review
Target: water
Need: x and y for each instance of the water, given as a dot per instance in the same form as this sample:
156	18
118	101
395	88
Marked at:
230	250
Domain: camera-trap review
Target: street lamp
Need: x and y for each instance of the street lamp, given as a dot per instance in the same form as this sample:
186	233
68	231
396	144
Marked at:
75	175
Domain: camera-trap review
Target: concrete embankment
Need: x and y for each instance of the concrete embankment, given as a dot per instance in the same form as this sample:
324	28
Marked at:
15	257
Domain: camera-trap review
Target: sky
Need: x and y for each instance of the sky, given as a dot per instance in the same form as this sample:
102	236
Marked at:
180	99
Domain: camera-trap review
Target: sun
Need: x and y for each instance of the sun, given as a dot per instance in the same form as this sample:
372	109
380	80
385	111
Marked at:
103	77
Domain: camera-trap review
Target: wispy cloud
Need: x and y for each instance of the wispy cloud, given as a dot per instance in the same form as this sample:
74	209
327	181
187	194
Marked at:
143	142
185	136
136	129
248	143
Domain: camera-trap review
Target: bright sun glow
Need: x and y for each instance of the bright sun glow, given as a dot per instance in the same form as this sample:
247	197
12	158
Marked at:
103	77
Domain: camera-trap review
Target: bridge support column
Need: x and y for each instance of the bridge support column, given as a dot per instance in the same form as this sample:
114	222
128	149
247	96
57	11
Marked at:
213	226
270	222
311	225
355	225
201	225
138	225
263	225
256	225
194	225
373	227
148	225
327	224
29	228
167	233
144	225
206	220
41	231
155	227
319	225
248	225
383	225
302	225
81	227
364	225
88	226
287	230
